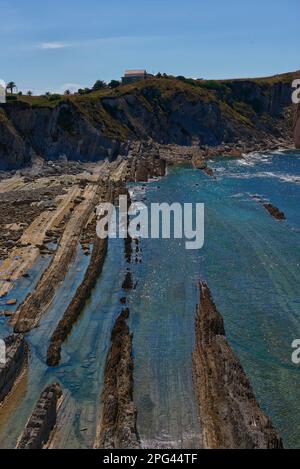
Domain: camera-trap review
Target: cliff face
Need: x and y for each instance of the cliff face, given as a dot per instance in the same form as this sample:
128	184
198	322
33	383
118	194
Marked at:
297	129
30	131
168	110
229	413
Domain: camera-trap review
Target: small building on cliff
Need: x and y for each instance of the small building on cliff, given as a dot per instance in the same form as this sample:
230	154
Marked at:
132	76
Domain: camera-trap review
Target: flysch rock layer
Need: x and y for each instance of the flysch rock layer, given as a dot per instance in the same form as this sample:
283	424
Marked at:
229	412
74	309
35	305
16	356
42	421
117	427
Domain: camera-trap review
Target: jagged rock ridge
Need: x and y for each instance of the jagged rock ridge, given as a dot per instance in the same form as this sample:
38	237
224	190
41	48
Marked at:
229	412
42	420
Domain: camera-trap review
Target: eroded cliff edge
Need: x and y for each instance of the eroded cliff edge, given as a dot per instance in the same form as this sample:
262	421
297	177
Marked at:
229	412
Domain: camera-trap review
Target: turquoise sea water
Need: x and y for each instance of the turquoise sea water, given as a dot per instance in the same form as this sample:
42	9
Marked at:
252	264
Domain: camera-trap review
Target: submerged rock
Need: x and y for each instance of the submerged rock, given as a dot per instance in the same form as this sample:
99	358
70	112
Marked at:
274	212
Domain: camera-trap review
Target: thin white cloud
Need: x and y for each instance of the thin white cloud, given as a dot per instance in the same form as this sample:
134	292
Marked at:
52	45
97	41
72	87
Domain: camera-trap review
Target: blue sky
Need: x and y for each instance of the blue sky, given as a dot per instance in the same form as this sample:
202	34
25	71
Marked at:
59	44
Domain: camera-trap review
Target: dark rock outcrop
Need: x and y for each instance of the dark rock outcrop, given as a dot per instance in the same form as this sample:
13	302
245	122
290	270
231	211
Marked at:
146	162
42	420
274	212
16	360
117	427
229	412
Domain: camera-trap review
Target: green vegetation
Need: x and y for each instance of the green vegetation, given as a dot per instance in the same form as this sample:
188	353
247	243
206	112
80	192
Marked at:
11	86
114	84
99	85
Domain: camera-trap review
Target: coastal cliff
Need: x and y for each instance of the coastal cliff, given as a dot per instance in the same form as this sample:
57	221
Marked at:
168	110
229	412
297	128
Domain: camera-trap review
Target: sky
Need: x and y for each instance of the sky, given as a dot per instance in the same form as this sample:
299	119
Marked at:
62	44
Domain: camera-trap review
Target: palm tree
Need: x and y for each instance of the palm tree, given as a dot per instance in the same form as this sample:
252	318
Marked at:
11	86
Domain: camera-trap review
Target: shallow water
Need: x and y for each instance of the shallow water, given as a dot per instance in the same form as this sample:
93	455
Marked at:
252	265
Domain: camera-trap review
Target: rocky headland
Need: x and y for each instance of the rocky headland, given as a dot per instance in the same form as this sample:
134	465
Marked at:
228	116
230	415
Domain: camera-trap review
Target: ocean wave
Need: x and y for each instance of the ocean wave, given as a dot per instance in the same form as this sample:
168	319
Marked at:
284	177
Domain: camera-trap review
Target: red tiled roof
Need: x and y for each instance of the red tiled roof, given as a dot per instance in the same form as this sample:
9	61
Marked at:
134	72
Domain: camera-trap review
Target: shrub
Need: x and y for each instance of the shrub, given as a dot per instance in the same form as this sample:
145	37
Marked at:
114	84
99	85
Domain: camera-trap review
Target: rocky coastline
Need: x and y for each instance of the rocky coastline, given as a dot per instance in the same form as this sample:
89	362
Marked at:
230	415
42	420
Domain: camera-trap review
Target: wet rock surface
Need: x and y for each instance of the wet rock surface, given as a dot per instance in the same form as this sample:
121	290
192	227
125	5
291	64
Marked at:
42	420
275	212
16	360
117	427
229	412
